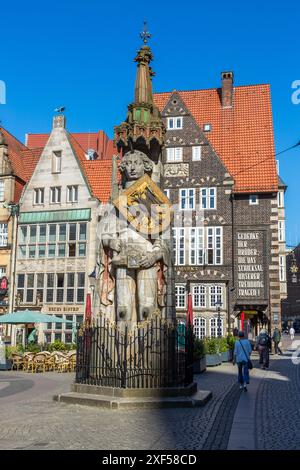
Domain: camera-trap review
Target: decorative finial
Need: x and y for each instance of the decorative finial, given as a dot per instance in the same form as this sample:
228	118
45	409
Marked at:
145	35
60	109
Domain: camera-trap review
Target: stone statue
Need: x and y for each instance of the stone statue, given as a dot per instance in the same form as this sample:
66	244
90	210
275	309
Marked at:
135	268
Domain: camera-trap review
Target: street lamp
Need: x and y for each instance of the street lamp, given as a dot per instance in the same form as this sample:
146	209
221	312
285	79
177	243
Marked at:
218	306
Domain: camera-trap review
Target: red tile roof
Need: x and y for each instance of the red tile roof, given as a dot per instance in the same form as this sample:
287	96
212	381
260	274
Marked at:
99	176
97	141
242	135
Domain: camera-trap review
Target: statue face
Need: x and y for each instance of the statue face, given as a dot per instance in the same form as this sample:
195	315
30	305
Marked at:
134	167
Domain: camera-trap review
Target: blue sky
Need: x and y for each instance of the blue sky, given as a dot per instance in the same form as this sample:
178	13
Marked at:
80	54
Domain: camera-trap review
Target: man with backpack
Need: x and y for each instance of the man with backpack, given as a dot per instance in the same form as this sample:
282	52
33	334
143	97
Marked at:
263	346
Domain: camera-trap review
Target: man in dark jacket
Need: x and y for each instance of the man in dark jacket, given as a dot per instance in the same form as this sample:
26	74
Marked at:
263	345
276	338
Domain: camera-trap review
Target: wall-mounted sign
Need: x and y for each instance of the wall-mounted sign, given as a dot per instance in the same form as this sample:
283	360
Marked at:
251	265
64	309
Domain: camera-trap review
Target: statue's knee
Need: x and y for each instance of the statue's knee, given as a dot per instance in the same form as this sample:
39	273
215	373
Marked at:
122	312
145	312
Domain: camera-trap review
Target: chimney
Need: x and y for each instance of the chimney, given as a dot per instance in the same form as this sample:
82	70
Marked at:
227	89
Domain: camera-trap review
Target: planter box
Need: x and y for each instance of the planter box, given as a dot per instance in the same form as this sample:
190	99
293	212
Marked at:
7	365
213	359
225	356
199	365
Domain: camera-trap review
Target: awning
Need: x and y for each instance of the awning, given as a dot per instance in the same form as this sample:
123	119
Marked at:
71	215
30	316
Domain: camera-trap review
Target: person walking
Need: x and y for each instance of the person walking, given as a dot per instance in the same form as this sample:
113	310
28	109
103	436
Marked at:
292	333
263	345
241	357
276	338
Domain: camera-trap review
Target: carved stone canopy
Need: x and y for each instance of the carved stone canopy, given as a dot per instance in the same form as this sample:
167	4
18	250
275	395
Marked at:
143	128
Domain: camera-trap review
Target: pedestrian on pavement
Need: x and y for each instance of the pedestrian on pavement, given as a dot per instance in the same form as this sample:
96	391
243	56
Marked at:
241	357
292	333
263	346
276	338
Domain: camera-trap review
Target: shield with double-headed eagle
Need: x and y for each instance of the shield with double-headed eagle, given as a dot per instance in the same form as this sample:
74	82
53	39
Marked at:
145	207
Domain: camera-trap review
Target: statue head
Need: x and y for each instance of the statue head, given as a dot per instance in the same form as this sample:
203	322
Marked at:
134	165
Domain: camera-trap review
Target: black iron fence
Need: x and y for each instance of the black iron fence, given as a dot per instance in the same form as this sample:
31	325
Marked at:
152	356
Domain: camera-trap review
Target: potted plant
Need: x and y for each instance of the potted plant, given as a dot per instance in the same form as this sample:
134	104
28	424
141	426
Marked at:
224	349
212	354
231	342
6	357
199	364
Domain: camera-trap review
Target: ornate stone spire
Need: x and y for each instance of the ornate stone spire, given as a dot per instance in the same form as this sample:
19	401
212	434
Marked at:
2	138
143	128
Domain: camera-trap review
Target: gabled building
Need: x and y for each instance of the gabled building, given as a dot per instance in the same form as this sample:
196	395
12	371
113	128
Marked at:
291	304
16	165
220	169
57	244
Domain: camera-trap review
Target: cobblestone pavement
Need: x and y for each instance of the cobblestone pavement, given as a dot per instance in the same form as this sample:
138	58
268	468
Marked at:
30	419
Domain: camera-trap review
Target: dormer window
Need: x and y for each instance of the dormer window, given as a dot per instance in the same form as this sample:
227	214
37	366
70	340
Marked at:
174	123
253	199
207	127
56	161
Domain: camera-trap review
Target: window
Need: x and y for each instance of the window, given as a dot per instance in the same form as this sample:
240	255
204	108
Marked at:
187	199
207	127
199	296
3	234
174	123
214	245
47	337
216	295
72	193
69	326
80	287
281	231
30	288
214	327
196	245
20	287
196	153
55	195
56	162
180	296
280	197
179	245
62	232
282	274
2	271
174	154
58	326
2	191
70	287
50	288
23	233
200	327
253	200
167	193
68	338
60	278
208	198
39	196
40	287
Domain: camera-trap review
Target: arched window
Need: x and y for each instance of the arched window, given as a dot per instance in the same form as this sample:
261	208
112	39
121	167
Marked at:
200	327
213	323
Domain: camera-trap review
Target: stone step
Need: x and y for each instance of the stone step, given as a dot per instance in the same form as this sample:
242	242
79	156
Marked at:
200	398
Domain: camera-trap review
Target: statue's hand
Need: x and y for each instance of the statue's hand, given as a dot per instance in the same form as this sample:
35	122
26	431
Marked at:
114	244
149	260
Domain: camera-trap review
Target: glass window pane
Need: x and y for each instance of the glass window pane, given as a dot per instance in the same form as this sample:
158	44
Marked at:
40	280
80	279
31	251
71	280
23	234
42	234
30	280
42	251
72	232
82	249
33	234
21	280
82	232
22	251
61	250
57	336
50	280
60	279
51	251
68	338
52	233
79	319
29	295
72	250
62	232
80	295
49	297
70	295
